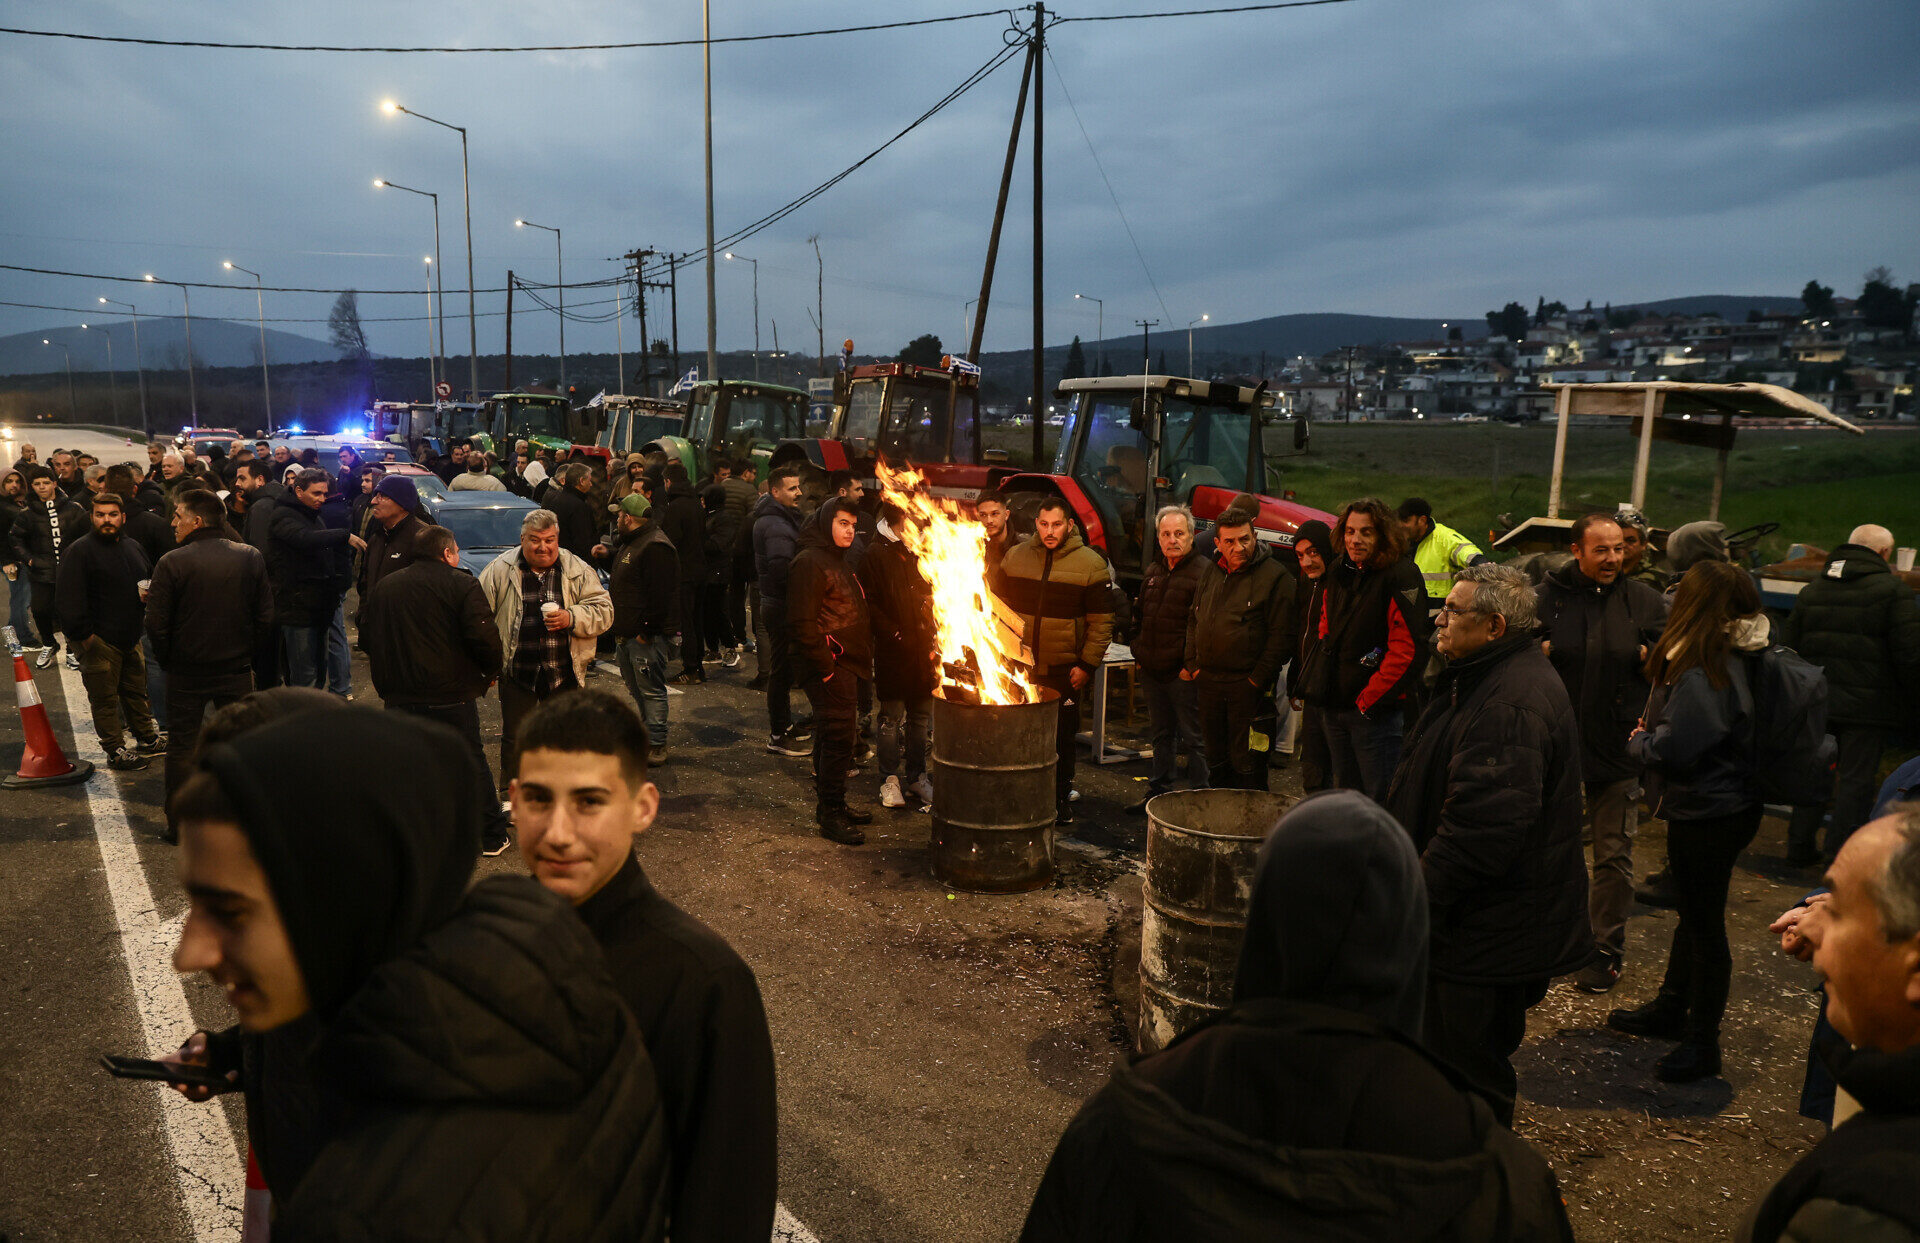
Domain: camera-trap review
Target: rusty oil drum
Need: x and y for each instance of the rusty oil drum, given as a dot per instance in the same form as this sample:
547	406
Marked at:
993	798
1201	850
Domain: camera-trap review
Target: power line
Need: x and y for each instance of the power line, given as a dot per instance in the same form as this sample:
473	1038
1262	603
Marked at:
556	47
1238	8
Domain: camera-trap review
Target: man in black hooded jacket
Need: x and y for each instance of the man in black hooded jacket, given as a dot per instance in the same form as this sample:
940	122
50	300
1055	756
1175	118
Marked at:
1309	1109
1489	788
490	1083
831	640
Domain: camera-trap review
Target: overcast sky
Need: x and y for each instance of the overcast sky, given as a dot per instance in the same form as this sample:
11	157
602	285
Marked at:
1397	157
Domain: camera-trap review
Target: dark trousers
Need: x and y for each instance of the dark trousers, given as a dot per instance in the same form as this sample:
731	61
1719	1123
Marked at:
1364	749
736	606
43	615
188	699
835	726
464	719
116	682
1067	737
1227	710
1316	763
1854	789
715	618
515	702
779	667
1475	1028
693	630
1172	707
267	660
1700	858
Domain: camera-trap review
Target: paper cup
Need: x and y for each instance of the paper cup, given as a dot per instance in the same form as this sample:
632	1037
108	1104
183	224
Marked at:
1903	559
143	584
549	609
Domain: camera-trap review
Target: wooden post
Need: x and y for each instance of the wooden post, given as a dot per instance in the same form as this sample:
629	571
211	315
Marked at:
1650	411
1563	410
1720	466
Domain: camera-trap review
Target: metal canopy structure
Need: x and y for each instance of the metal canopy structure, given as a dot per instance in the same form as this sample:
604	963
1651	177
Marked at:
1666	410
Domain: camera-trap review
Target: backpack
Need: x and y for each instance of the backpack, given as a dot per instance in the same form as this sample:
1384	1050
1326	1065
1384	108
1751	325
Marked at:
1785	698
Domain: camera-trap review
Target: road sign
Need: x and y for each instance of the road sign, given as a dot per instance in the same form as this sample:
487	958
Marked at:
443	390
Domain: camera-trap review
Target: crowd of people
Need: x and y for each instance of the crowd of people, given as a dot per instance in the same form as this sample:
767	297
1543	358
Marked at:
1461	728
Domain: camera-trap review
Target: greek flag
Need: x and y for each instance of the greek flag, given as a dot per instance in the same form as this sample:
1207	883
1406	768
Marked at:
685	382
600	399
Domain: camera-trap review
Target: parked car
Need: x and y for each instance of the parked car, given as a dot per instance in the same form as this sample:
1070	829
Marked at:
486	524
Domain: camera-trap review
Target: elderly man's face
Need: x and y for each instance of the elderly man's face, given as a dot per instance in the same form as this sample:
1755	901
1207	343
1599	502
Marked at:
1460	630
172	466
541	549
63	463
1873	984
1176	537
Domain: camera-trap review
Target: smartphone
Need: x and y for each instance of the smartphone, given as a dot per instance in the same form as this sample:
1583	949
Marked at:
166	1072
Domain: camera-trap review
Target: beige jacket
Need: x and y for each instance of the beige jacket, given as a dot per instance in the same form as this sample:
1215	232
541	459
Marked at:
580	594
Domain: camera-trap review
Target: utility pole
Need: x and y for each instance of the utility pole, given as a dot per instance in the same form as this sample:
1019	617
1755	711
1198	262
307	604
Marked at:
1146	345
509	384
1039	243
706	39
820	300
1000	210
673	275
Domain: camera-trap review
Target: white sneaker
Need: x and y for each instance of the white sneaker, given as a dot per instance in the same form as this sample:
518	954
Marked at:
73	662
1073	796
730	657
922	790
890	795
44	659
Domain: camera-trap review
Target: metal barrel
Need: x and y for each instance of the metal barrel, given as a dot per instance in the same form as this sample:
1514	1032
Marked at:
1201	850
993	808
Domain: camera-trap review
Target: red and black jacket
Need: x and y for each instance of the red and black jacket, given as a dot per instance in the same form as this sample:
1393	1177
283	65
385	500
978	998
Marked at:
1373	625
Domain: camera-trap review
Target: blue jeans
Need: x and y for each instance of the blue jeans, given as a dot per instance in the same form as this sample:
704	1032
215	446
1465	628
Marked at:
306	648
1364	750
1174	711
20	608
339	654
643	666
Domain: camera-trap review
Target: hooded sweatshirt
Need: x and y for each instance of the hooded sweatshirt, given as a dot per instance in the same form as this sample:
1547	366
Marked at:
1308	1111
491	1084
828	625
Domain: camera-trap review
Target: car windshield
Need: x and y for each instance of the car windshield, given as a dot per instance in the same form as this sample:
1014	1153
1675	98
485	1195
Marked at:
483	528
863	411
537	418
1112	470
917	428
762	419
463	423
1204	446
428	486
651	427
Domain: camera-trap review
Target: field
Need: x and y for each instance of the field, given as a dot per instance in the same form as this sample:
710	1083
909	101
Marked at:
1817	485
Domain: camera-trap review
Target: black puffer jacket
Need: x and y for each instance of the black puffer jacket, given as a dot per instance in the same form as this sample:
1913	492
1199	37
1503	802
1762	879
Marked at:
304	563
209	607
1698	744
774	538
430	637
1159	638
99	590
900	604
1240	621
579	525
34	545
500	1047
1489	786
1596	633
828	627
1859	623
685	523
723	526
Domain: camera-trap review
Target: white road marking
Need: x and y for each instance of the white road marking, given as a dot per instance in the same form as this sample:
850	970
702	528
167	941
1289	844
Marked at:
212	1179
212	1176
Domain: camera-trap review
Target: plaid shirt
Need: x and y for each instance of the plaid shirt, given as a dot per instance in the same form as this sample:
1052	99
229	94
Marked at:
542	660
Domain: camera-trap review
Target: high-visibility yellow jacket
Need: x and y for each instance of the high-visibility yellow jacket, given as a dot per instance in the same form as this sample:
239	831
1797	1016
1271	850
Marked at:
1444	553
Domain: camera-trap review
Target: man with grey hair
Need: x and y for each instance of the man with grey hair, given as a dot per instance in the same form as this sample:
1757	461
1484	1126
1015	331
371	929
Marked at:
1859	1182
551	610
1159	643
1859	623
1489	787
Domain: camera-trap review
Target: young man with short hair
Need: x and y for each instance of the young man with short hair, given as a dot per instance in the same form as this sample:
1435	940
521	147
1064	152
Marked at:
98	599
580	799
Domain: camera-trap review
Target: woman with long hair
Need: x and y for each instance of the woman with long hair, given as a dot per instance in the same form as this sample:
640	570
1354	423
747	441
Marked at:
1696	741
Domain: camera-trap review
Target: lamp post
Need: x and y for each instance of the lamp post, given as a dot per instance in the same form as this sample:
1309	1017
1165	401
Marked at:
139	369
966	318
1100	330
260	309
466	194
186	305
433	377
113	386
713	311
560	269
440	271
73	411
1190	323
756	309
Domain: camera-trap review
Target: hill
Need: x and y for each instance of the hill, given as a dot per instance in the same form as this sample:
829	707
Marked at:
216	343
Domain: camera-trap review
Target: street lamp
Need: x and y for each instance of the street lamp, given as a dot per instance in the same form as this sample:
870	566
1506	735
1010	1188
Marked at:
186	304
433	378
1190	323
113	386
966	320
1100	329
381	183
466	194
260	309
561	272
73	411
139	369
756	309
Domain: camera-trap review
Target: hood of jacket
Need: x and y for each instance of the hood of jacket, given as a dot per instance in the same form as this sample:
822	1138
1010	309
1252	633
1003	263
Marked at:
1361	944
1854	561
364	859
817	531
1696	542
1750	634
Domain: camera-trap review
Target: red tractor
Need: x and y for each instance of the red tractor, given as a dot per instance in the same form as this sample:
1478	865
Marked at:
1131	444
904	413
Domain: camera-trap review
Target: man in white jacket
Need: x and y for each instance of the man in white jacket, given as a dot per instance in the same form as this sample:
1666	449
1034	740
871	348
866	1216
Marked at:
551	609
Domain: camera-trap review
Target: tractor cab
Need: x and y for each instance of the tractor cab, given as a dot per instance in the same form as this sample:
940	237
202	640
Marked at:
736	419
1131	444
905	412
546	420
633	423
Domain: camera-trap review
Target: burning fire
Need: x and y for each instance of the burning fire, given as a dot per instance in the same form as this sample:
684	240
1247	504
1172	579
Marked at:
979	649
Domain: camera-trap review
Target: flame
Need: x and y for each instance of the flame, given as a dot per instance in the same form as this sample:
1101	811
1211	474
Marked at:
978	655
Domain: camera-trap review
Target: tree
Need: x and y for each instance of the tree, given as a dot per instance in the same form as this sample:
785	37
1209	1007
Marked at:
1817	299
1509	321
923	349
1882	305
1453	332
344	330
1076	361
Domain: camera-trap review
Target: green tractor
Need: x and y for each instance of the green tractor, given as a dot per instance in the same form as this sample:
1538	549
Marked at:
545	420
736	419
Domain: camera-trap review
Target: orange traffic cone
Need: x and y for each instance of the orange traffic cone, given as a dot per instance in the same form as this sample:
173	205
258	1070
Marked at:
43	763
256	1214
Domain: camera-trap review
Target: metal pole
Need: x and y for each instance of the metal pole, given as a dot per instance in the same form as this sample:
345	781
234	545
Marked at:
473	333
673	275
1039	242
706	37
440	281
432	378
509	383
620	332
139	368
1000	210
560	269
756	317
113	386
73	411
266	387
820	300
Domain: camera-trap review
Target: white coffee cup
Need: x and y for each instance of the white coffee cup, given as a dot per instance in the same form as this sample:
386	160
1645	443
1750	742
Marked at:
143	584
549	609
1903	559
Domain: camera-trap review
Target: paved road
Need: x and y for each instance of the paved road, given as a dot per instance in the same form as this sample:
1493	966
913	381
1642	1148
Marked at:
931	1046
